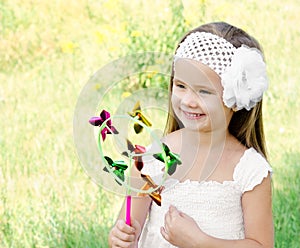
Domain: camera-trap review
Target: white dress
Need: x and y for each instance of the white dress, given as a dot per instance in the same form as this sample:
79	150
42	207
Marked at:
216	207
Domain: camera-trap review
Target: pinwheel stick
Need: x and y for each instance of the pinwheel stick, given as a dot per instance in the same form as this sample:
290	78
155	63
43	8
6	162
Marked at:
128	197
128	210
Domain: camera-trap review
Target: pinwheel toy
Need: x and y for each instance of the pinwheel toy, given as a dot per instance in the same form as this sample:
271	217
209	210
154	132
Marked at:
155	195
137	113
118	167
172	159
99	120
121	170
137	149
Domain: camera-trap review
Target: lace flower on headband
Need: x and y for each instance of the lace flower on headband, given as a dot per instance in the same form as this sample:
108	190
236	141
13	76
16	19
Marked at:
242	70
245	80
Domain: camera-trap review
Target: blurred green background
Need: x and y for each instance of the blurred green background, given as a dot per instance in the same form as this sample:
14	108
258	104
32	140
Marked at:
49	50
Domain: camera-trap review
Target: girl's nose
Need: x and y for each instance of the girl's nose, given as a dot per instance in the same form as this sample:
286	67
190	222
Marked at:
190	98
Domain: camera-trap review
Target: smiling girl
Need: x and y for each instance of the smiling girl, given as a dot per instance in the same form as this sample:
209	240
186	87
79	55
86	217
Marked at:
221	194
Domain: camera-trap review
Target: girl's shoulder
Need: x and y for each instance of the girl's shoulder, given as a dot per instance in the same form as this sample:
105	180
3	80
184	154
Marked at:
171	139
172	136
251	170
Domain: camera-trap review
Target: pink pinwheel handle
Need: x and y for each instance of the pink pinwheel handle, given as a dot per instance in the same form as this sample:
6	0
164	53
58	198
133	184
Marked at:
128	210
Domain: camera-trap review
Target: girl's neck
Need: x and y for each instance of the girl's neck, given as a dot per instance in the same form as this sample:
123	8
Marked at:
202	152
206	140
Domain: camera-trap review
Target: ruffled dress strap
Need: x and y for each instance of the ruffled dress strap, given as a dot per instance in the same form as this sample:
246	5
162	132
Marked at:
251	170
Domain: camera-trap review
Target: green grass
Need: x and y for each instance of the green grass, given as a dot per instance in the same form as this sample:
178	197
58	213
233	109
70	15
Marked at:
49	50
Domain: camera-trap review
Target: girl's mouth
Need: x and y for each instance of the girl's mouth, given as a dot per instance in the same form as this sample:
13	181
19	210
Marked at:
193	116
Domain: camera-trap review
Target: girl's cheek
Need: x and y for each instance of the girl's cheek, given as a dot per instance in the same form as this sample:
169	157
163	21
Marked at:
174	91
175	96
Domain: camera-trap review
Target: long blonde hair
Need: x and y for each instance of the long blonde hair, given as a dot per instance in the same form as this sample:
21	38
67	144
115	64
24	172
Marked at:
246	126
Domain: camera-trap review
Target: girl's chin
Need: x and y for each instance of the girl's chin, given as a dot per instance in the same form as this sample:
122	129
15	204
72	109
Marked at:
196	127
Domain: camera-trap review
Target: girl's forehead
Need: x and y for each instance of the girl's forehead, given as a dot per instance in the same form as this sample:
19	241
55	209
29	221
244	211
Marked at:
195	73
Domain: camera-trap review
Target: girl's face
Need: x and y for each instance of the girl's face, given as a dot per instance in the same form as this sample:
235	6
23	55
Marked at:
197	97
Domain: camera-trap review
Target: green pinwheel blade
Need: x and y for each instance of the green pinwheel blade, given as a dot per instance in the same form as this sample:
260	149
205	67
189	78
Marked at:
120	165
171	167
172	159
120	174
109	160
175	157
159	157
166	149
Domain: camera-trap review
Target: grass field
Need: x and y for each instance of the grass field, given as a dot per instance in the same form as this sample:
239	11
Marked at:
49	50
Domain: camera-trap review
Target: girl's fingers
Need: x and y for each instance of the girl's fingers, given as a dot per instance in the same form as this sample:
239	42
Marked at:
167	221
171	214
136	226
170	217
123	236
164	233
120	243
121	225
173	211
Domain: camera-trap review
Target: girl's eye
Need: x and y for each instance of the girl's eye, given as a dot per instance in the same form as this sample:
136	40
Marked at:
206	92
179	85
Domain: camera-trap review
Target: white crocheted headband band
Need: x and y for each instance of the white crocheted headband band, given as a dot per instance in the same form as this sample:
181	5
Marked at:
242	70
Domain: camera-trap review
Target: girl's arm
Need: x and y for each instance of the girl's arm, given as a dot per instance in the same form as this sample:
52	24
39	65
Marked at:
139	209
258	222
122	235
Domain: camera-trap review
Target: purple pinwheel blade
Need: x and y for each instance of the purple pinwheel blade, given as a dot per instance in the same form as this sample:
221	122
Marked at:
114	130
96	121
104	131
105	115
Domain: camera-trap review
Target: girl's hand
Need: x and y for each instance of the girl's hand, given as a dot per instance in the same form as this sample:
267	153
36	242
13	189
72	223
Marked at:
122	235
181	230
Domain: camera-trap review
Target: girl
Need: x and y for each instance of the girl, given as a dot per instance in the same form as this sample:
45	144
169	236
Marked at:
221	196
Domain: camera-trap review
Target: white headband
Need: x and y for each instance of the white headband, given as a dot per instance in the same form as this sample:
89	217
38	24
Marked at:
242	70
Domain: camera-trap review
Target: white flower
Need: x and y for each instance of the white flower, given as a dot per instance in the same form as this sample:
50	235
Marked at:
245	80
